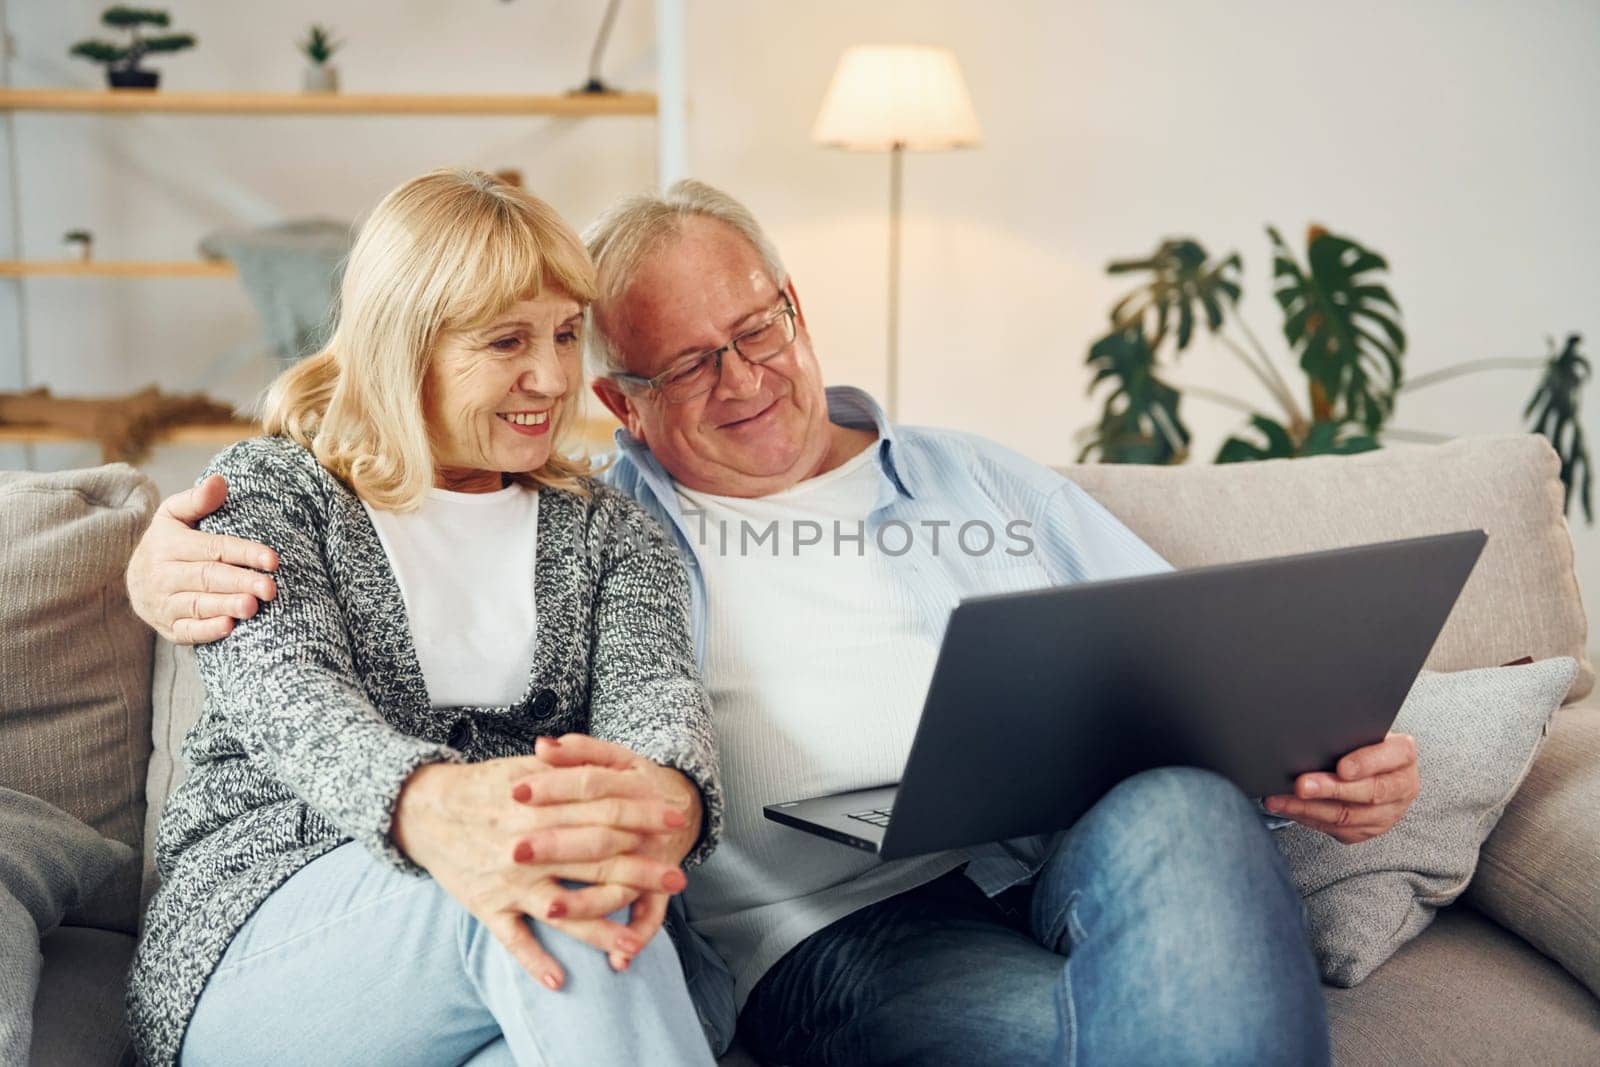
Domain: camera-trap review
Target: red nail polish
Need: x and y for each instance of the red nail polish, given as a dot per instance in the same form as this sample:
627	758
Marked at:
522	853
556	910
673	881
522	793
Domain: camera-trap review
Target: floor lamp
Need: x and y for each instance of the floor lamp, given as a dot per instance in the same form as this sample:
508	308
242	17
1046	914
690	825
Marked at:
896	98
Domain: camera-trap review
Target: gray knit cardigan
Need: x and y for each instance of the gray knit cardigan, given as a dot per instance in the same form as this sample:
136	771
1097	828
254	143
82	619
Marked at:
316	710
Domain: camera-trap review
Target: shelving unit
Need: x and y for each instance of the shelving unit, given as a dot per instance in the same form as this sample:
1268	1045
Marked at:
167	102
667	108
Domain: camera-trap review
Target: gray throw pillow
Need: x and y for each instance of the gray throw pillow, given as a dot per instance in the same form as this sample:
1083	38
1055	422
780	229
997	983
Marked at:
1477	734
50	866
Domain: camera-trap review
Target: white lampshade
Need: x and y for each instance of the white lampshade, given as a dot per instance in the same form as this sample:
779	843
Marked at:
884	95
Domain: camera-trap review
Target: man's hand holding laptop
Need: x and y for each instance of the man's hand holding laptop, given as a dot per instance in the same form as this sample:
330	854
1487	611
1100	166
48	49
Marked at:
1369	793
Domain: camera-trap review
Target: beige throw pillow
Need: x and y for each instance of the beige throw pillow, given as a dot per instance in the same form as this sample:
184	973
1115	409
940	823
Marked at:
1477	734
74	661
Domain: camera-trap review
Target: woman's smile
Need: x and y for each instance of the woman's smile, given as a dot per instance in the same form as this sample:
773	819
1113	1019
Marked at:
527	423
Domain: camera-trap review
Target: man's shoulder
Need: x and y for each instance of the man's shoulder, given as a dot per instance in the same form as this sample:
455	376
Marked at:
944	451
615	470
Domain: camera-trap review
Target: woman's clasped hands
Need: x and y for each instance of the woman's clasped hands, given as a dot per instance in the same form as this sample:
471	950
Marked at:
566	837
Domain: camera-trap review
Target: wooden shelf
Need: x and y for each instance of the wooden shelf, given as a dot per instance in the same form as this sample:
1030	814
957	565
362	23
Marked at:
219	433
180	102
111	268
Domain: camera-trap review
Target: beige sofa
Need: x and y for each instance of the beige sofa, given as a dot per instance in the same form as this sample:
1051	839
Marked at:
92	710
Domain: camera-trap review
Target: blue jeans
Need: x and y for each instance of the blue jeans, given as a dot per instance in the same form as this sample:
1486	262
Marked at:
352	962
1163	928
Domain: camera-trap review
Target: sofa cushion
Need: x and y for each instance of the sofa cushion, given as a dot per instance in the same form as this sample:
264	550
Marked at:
176	697
54	865
1477	732
78	1018
1522	599
75	662
1466	991
50	866
1540	872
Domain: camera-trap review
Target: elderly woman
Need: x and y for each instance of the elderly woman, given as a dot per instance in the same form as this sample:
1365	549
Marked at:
444	782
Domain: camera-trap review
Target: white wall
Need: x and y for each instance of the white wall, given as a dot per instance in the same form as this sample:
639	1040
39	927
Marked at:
1457	137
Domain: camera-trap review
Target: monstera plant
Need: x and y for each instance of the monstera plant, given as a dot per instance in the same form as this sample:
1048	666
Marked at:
1341	324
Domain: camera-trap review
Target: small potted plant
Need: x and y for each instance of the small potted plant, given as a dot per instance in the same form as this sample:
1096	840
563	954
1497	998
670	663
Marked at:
122	60
80	240
319	47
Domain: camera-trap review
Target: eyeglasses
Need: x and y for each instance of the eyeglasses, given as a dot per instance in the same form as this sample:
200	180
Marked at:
697	375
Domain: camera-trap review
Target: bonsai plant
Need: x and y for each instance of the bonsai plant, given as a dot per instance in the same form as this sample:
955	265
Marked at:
319	47
82	240
1342	323
122	60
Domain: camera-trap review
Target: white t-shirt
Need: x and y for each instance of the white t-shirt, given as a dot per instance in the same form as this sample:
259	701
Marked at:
817	669
465	563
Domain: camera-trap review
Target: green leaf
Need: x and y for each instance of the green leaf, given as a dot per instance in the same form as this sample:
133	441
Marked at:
1238	450
319	45
129	17
1278	440
172	42
1278	444
1337	439
1181	276
1555	410
1323	439
1330	310
1139	422
99	51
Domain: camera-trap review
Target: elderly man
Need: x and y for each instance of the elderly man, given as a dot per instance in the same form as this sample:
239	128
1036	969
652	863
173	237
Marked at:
826	548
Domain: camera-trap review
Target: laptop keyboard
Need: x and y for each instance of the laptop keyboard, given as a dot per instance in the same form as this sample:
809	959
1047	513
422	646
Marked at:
877	816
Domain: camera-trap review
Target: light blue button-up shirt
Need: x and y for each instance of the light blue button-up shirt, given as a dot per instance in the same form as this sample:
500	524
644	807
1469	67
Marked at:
956	516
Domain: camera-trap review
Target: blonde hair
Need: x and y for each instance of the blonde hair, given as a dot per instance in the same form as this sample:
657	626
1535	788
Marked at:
448	251
621	239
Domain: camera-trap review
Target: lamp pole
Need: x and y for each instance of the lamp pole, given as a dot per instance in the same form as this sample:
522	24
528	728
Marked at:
896	97
897	153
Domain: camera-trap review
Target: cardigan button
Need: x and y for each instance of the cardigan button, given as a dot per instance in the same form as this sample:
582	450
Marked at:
460	733
544	704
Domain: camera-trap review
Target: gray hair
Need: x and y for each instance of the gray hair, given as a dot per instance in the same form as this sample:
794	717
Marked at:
622	238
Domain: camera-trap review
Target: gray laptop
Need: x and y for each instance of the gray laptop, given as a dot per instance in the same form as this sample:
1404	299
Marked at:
1042	701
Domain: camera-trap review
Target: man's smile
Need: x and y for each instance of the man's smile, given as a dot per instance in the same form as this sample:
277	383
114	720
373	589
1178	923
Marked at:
749	420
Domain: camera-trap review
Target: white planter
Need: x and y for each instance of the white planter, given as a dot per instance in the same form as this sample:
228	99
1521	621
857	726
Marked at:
322	78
